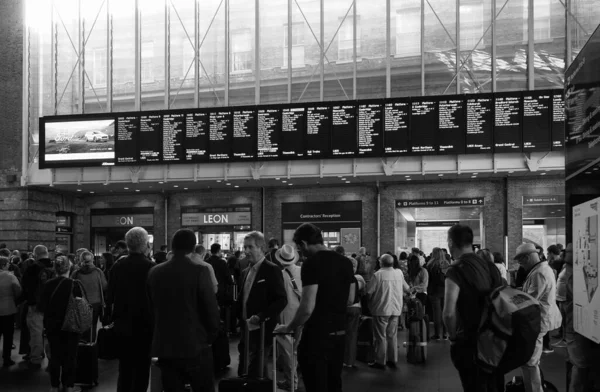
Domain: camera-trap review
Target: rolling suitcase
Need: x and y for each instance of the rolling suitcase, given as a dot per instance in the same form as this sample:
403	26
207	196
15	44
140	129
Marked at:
245	383
293	386
364	342
220	349
416	347
86	371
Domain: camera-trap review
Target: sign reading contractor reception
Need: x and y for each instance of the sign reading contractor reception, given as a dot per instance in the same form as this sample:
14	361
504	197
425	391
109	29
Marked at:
450	125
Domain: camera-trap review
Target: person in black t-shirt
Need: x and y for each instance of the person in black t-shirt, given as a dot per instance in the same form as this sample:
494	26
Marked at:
468	282
326	292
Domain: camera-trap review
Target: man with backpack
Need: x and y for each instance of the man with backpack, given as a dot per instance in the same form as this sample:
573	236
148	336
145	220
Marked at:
34	279
469	281
541	285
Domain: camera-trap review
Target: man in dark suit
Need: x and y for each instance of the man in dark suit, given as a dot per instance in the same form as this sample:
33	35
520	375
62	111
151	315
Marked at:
186	318
224	278
262	298
161	256
131	313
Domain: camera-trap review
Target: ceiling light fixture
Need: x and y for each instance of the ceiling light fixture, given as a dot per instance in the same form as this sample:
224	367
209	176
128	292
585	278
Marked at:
185	189
542	174
228	184
588	172
440	175
137	190
473	176
343	179
78	190
175	186
218	180
277	178
92	192
160	182
407	176
126	188
284	181
347	182
408	179
511	172
290	184
236	186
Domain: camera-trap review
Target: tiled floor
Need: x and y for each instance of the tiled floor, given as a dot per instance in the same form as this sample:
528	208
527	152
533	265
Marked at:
437	375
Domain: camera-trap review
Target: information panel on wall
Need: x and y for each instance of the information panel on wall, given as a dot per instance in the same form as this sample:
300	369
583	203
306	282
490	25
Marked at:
457	124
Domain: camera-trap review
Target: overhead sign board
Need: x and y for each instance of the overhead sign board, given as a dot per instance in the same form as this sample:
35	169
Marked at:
216	218
143	220
543	200
474	201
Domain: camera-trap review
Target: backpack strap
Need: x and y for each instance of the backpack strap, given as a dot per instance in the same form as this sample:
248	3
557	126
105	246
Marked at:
296	289
55	290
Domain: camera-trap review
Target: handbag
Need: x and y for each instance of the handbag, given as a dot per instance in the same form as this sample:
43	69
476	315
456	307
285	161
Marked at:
105	311
79	315
108	343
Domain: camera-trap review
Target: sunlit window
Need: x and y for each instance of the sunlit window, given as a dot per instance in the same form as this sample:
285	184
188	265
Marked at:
471	26
99	67
241	48
346	40
297	45
541	20
187	59
408	32
147	62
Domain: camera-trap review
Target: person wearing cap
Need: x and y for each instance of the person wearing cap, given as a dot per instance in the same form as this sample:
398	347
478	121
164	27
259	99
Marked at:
287	257
540	284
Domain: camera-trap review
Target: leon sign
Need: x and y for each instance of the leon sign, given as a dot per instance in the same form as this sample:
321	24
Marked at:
216	218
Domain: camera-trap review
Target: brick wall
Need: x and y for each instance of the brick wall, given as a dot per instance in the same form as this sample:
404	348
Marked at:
11	95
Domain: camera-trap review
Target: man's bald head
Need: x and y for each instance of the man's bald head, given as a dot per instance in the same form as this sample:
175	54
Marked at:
387	261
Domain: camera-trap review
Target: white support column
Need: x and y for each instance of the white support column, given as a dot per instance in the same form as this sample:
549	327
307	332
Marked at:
322	54
167	97
138	57
196	53
81	55
423	47
494	54
26	97
109	58
458	57
388	50
257	52
568	37
530	46
354	51
227	53
289	50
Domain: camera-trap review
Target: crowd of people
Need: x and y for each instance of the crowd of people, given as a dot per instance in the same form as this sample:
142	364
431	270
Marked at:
311	298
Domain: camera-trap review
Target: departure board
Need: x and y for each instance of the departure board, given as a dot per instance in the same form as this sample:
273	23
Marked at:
268	129
507	122
343	130
318	131
370	129
150	138
293	129
537	111
196	137
451	125
454	124
173	137
558	121
424	126
243	146
396	128
220	129
126	141
480	123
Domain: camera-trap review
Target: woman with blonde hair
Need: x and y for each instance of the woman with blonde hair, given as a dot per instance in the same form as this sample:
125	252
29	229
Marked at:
436	289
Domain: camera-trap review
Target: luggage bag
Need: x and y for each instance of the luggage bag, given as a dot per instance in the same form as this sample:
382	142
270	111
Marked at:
86	371
416	347
364	342
293	386
244	383
220	350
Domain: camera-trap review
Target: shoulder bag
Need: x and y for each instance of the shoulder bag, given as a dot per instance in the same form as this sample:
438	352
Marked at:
79	315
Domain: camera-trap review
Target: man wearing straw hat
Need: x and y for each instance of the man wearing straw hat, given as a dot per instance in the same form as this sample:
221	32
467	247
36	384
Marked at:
287	257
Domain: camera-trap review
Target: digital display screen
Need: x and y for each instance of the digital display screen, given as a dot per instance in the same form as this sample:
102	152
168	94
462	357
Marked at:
396	128
507	123
480	124
537	111
370	129
424	126
451	125
454	124
343	130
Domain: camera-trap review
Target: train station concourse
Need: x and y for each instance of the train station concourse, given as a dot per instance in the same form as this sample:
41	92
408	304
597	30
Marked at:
400	194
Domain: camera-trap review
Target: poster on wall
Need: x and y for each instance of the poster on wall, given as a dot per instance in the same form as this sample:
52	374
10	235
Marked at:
586	248
350	239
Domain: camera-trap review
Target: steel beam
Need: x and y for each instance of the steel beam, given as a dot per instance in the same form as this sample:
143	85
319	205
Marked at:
81	55
322	54
568	38
458	56
167	97
494	54
257	51
530	46
227	54
388	50
196	53
289	51
423	47
354	51
138	57
109	58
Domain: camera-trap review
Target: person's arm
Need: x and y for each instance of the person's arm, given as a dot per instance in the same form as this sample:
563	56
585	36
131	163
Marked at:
424	280
372	285
405	286
351	294
103	280
306	308
536	286
213	278
16	288
208	309
112	286
450	300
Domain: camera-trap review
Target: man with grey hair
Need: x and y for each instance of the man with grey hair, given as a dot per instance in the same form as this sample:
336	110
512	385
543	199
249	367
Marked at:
198	257
386	290
131	313
263	297
540	284
34	279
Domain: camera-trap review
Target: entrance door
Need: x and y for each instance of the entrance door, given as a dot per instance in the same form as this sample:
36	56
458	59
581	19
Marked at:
219	238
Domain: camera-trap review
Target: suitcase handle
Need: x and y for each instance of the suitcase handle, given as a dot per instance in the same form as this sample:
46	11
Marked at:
261	360
293	375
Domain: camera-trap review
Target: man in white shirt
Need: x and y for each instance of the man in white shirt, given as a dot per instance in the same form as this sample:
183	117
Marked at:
385	292
198	257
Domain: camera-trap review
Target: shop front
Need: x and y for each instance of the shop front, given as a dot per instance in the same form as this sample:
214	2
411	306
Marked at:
223	225
424	223
544	221
340	222
111	225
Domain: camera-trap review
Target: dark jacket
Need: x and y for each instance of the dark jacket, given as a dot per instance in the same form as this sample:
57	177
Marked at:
31	280
94	283
127	293
267	296
160	257
184	307
224	294
54	303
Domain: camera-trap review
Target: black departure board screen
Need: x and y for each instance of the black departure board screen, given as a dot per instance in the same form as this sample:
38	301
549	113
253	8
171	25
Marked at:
537	110
268	129
424	126
480	124
558	122
196	137
370	129
126	141
396	128
220	129
318	131
150	138
293	129
244	138
507	123
173	137
343	130
451	125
